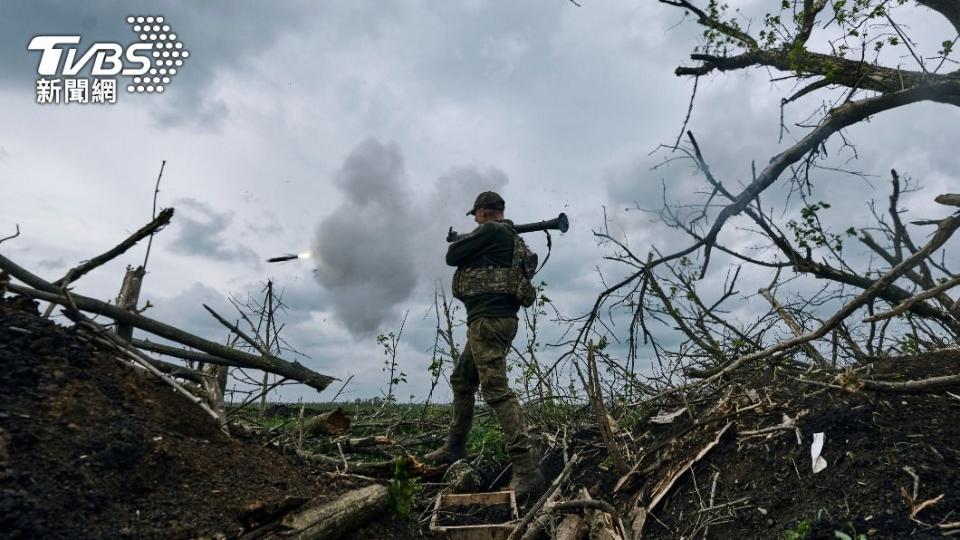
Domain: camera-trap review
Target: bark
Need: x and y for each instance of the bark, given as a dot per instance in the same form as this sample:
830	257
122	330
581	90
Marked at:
571	527
335	519
921	385
128	298
215	385
949	199
177	352
332	422
837	70
359	443
376	469
181	372
604	422
539	524
910	302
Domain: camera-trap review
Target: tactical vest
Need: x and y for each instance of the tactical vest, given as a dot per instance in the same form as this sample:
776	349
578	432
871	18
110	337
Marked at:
514	279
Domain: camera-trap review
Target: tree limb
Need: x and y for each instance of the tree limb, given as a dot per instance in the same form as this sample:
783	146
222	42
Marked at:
162	219
908	303
947	227
46	291
12	236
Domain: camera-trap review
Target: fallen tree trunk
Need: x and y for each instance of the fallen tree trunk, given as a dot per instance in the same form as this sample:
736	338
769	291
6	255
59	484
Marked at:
46	291
177	352
334	519
921	385
181	372
376	469
332	422
358	443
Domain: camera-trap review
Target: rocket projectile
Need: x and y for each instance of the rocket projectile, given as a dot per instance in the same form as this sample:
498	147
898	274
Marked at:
283	258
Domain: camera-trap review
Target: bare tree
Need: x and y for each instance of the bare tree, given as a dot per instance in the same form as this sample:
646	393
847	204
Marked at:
844	64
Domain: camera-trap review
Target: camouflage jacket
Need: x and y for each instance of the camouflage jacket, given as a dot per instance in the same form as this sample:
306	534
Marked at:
489	245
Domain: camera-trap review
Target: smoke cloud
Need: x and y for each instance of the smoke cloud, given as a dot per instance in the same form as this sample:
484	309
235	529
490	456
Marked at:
382	242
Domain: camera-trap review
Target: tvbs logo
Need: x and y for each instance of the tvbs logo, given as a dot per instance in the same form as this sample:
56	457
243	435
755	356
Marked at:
151	63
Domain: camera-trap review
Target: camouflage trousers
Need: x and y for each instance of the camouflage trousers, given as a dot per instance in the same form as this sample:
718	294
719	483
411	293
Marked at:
483	364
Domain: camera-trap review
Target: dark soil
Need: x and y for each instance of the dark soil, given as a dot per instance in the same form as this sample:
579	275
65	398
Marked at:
870	438
93	448
493	514
391	527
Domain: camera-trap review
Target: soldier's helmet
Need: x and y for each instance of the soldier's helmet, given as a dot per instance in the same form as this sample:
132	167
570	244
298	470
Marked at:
487	199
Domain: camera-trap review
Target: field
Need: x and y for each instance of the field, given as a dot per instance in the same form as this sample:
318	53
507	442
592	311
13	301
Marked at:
92	447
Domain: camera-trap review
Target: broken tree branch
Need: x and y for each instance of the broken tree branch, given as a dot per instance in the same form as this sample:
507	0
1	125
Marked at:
47	291
944	231
156	191
949	199
12	236
183	354
909	302
794	326
233	328
162	219
603	419
913	386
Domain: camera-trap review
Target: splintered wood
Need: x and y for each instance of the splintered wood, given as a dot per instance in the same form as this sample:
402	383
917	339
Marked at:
662	487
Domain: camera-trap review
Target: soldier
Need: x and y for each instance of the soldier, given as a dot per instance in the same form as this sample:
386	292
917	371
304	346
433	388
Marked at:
491	326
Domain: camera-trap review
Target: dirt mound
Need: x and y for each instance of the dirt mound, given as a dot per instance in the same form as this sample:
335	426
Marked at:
765	486
92	448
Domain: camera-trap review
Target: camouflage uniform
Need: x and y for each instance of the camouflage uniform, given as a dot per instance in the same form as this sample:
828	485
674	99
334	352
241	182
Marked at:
491	327
483	363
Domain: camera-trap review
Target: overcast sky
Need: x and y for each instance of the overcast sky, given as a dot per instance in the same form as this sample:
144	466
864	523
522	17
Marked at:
363	130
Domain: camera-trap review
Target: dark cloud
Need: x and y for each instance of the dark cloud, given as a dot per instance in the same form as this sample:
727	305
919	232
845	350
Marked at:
200	232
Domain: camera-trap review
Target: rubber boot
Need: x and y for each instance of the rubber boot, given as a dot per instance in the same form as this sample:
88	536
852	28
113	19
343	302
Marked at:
527	482
455	448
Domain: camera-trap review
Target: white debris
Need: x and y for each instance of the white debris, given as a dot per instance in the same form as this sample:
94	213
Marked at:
816	448
666	418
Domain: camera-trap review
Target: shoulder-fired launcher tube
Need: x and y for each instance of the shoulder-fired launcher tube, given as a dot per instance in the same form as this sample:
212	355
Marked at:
561	223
